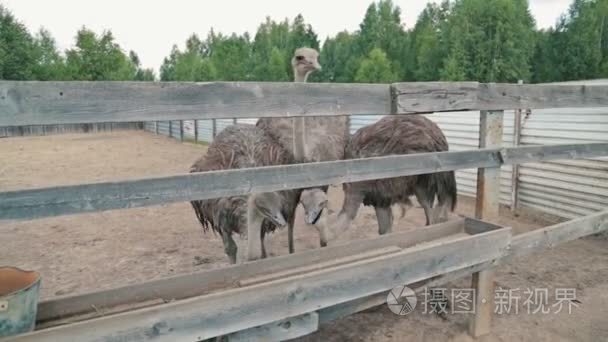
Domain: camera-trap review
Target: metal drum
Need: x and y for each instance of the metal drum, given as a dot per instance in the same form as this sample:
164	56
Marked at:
19	292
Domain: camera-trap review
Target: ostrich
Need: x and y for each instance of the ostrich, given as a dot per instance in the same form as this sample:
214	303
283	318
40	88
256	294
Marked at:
242	146
394	135
309	139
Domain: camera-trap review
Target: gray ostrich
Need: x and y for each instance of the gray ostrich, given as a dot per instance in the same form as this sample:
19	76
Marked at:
242	146
309	139
391	135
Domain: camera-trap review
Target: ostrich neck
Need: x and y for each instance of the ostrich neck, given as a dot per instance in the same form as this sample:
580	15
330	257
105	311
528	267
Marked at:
254	219
299	126
254	233
299	77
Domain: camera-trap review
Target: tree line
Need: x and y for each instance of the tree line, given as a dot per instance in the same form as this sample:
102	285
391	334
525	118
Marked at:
458	40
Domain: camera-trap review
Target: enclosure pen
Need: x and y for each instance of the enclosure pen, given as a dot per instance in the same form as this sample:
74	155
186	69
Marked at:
289	296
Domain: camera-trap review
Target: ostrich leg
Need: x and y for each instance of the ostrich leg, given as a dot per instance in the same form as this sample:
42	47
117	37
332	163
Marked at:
384	215
290	225
426	201
229	246
263	243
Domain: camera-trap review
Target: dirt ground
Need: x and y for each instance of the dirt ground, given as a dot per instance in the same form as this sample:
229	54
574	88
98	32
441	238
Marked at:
88	252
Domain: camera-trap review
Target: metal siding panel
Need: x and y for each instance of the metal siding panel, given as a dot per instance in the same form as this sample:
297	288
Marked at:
189	130
570	188
163	127
205	131
248	121
150	126
175	130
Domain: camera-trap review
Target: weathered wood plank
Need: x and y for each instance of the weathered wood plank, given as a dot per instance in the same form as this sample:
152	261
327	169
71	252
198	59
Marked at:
73	199
199	283
521	245
282	330
234	310
537	96
431	97
33	103
538	153
488	179
36	203
428	97
487	206
549	237
318	266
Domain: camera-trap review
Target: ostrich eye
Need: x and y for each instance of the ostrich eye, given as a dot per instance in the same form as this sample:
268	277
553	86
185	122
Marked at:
299	58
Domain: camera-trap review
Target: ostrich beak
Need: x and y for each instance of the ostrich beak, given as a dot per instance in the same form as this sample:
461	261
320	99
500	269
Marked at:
313	216
317	66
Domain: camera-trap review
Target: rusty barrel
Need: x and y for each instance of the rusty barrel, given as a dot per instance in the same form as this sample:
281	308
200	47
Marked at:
19	291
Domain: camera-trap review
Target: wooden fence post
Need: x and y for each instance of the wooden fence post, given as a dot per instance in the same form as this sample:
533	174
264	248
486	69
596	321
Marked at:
214	128
487	206
515	167
170	129
181	130
195	131
156	126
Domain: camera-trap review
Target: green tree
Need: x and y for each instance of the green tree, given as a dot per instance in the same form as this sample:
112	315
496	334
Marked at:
491	40
302	35
339	59
382	28
141	74
427	47
167	69
49	63
270	38
17	57
376	68
581	48
231	57
98	58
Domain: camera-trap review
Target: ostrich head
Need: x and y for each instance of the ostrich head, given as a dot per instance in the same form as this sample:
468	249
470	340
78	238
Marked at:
268	205
314	202
304	62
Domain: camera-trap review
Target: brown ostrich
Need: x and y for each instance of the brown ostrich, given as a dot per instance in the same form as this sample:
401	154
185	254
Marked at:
310	139
236	147
391	135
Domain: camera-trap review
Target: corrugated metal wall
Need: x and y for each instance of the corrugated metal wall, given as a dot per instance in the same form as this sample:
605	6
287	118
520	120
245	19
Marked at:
22	131
565	188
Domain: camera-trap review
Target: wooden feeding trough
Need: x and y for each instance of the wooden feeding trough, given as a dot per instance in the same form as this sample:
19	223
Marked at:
311	287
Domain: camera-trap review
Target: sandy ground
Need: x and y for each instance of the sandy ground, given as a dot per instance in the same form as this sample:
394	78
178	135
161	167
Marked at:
83	253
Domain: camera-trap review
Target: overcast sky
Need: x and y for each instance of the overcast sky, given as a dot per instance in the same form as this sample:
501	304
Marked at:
151	27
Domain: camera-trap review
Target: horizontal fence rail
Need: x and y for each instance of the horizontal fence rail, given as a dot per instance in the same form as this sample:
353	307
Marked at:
37	103
72	199
32	103
417	97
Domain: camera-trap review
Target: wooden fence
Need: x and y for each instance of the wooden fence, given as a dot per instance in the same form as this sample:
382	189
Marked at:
286	297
